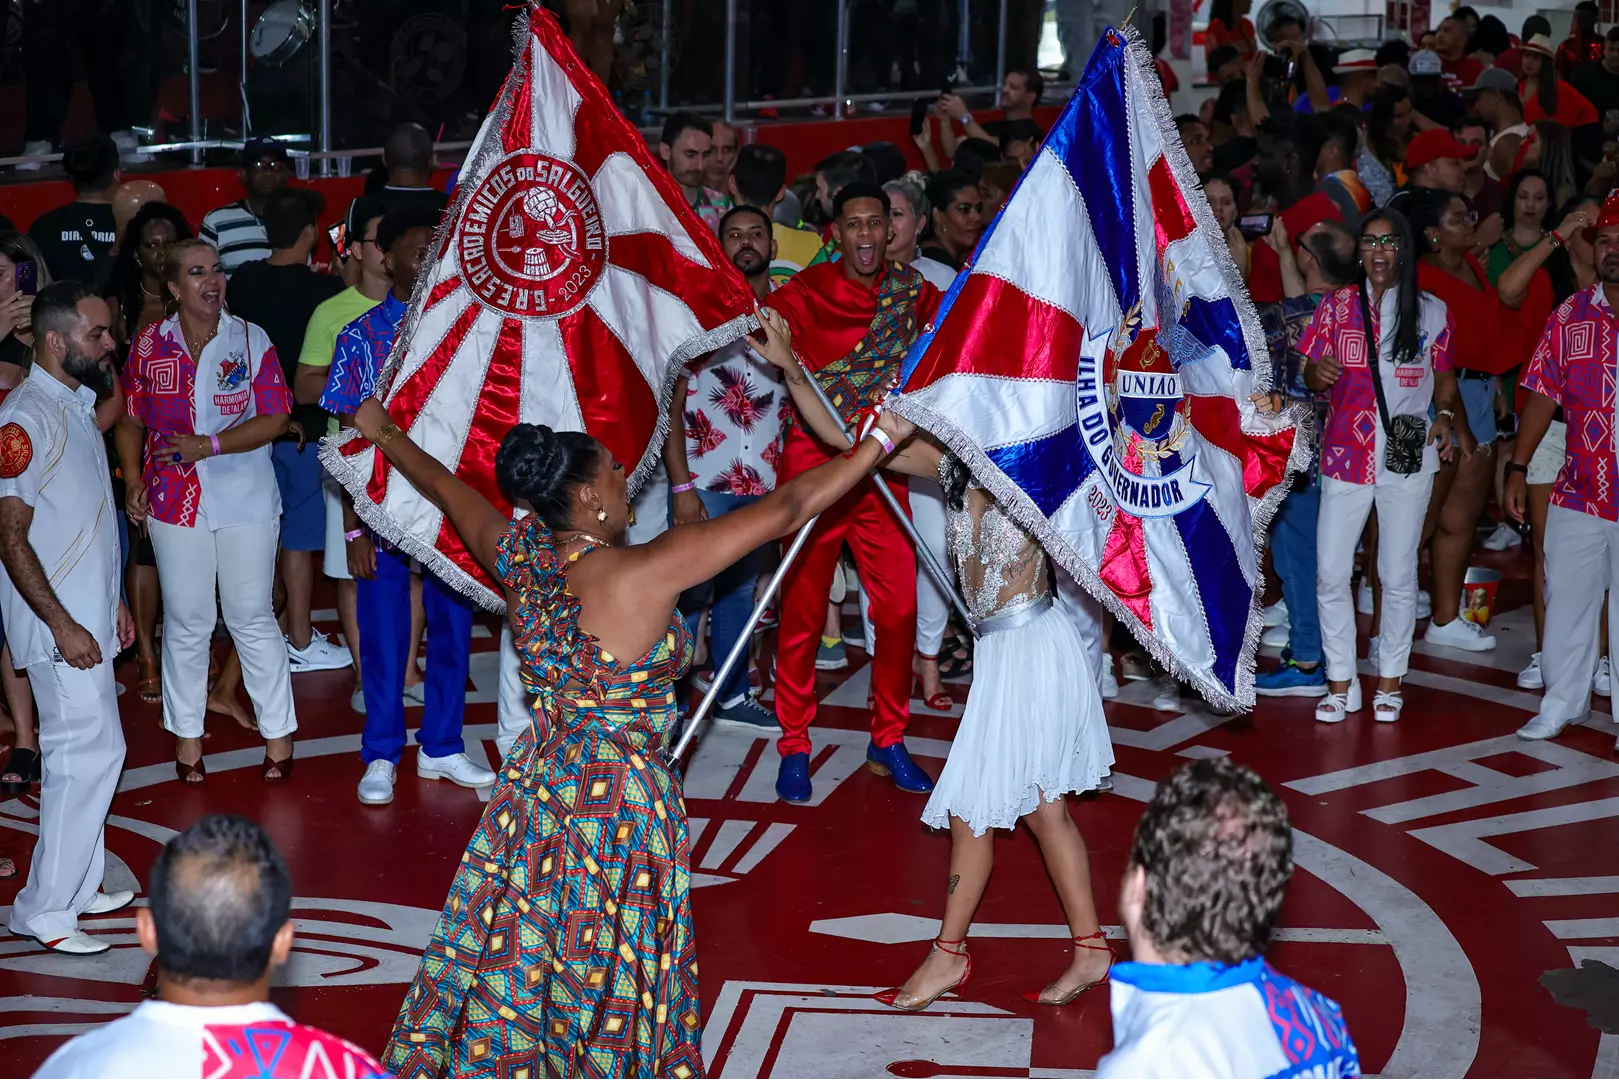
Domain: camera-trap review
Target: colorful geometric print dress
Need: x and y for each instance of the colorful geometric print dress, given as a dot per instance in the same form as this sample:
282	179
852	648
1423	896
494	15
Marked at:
566	947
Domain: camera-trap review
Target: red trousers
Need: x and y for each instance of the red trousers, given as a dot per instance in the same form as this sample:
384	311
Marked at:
886	562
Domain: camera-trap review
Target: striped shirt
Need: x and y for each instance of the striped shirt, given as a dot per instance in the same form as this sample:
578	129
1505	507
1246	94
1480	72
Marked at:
237	233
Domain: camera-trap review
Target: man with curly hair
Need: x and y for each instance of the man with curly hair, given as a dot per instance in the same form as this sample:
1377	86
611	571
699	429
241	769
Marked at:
1207	874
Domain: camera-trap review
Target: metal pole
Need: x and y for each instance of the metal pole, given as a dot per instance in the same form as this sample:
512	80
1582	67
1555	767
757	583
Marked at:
325	85
739	649
945	582
964	47
195	78
1000	54
247	115
663	58
730	61
840	70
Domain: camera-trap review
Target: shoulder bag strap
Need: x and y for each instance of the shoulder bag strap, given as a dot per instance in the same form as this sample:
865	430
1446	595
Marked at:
1375	359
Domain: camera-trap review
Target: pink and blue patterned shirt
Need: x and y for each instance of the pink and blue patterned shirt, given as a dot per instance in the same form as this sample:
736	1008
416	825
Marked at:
242	379
1352	439
362	350
1574	365
736	405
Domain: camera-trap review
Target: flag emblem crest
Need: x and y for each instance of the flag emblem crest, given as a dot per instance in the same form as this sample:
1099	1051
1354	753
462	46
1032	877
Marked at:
531	238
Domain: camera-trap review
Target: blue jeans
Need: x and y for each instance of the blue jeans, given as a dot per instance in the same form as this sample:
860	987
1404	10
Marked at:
729	598
383	605
1293	555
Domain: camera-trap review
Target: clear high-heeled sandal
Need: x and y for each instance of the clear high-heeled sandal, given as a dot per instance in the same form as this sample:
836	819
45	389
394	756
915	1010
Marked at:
893	997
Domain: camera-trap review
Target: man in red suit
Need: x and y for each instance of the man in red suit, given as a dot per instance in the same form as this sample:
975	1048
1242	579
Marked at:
852	322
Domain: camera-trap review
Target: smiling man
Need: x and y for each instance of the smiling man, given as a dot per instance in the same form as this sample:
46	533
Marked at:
852	321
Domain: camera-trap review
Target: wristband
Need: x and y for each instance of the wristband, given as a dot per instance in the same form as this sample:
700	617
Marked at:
1514	467
213	440
687	486
1445	414
1556	238
353	534
882	436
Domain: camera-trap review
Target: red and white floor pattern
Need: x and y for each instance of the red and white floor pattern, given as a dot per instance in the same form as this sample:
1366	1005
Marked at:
1444	868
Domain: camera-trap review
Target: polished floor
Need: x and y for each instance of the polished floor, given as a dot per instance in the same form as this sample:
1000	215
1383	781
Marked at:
1452	881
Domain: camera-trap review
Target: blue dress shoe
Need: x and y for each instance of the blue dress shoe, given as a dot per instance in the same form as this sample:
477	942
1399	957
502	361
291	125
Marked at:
896	761
793	781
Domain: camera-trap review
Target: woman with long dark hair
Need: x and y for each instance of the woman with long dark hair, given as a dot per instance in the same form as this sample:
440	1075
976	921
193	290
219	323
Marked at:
1388	321
1229	25
1544	95
1525	205
576	926
1388	128
1033	730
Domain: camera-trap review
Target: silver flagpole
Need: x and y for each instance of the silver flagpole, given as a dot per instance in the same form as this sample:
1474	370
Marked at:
739	650
941	578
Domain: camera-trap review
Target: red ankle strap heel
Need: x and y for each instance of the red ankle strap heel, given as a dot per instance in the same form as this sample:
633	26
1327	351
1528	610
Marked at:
1039	996
891	997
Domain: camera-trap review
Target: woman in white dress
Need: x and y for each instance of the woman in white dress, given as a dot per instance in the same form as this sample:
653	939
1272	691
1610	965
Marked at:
1033	729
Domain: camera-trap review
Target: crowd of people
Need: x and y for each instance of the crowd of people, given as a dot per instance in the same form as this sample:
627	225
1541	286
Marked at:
1445	211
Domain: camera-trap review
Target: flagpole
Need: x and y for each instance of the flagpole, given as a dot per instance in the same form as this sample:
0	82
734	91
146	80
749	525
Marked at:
743	639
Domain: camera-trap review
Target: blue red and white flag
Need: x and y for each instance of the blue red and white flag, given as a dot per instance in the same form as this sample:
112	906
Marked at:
570	284
1092	366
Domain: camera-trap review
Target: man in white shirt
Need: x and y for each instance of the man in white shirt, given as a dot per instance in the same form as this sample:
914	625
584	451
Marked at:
218	927
67	622
1207	873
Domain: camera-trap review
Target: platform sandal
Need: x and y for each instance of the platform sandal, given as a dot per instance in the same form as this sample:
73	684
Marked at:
891	997
1039	996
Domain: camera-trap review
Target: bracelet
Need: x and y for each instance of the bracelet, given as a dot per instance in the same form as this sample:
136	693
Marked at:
386	432
1445	414
1514	467
1556	238
882	436
680	488
213	440
353	534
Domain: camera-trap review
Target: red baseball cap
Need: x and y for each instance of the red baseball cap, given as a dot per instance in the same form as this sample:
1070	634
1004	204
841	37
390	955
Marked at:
1608	218
1433	144
1309	212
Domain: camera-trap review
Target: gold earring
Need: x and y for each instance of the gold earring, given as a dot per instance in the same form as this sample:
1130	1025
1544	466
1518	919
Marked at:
601	515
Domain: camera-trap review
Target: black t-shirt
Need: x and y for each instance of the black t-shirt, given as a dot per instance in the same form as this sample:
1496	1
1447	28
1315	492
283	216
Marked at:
281	299
393	198
1598	84
76	240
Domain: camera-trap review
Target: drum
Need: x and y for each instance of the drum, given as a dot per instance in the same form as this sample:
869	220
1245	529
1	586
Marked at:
284	28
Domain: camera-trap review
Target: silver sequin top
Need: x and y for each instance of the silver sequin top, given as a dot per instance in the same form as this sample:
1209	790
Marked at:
999	567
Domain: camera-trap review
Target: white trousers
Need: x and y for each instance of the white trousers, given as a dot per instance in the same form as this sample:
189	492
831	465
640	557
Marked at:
82	746
1402	504
932	605
240	561
1582	562
1085	612
514	708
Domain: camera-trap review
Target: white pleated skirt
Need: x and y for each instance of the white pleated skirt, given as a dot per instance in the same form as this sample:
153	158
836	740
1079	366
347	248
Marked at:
1033	726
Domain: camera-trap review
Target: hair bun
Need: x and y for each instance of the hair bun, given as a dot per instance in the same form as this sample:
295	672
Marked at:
541	466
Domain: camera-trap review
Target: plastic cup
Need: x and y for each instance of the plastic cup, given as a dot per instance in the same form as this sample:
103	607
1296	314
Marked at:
1478	594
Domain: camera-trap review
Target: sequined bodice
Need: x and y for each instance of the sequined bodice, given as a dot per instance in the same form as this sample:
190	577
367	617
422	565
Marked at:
998	566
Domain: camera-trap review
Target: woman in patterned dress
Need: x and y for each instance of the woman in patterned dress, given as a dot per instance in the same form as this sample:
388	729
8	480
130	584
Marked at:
565	947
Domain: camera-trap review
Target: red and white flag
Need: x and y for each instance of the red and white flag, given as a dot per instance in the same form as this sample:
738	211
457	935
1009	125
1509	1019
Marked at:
570	284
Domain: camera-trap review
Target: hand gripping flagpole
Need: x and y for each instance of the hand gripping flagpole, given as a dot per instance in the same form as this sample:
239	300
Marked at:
744	638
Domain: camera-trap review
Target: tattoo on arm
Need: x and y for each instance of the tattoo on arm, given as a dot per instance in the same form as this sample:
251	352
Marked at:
22	563
955	879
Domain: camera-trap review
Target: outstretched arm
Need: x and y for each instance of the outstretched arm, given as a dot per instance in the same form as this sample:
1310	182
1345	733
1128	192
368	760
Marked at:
479	523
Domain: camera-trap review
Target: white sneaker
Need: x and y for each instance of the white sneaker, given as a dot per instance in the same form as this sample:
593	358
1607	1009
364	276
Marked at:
77	943
415	695
1276	636
101	902
1424	605
1530	678
357	700
1110	681
1333	708
377	785
1602	685
1363	598
129	148
319	655
37	148
1504	537
1459	634
1541	728
1276	614
1168	694
456	768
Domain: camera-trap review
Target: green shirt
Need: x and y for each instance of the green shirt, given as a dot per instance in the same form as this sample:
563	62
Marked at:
320	340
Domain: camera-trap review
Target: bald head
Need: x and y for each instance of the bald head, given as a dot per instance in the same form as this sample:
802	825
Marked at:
408	154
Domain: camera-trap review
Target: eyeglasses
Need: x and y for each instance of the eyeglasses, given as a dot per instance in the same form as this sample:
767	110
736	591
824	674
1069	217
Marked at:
267	165
1468	217
1388	240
